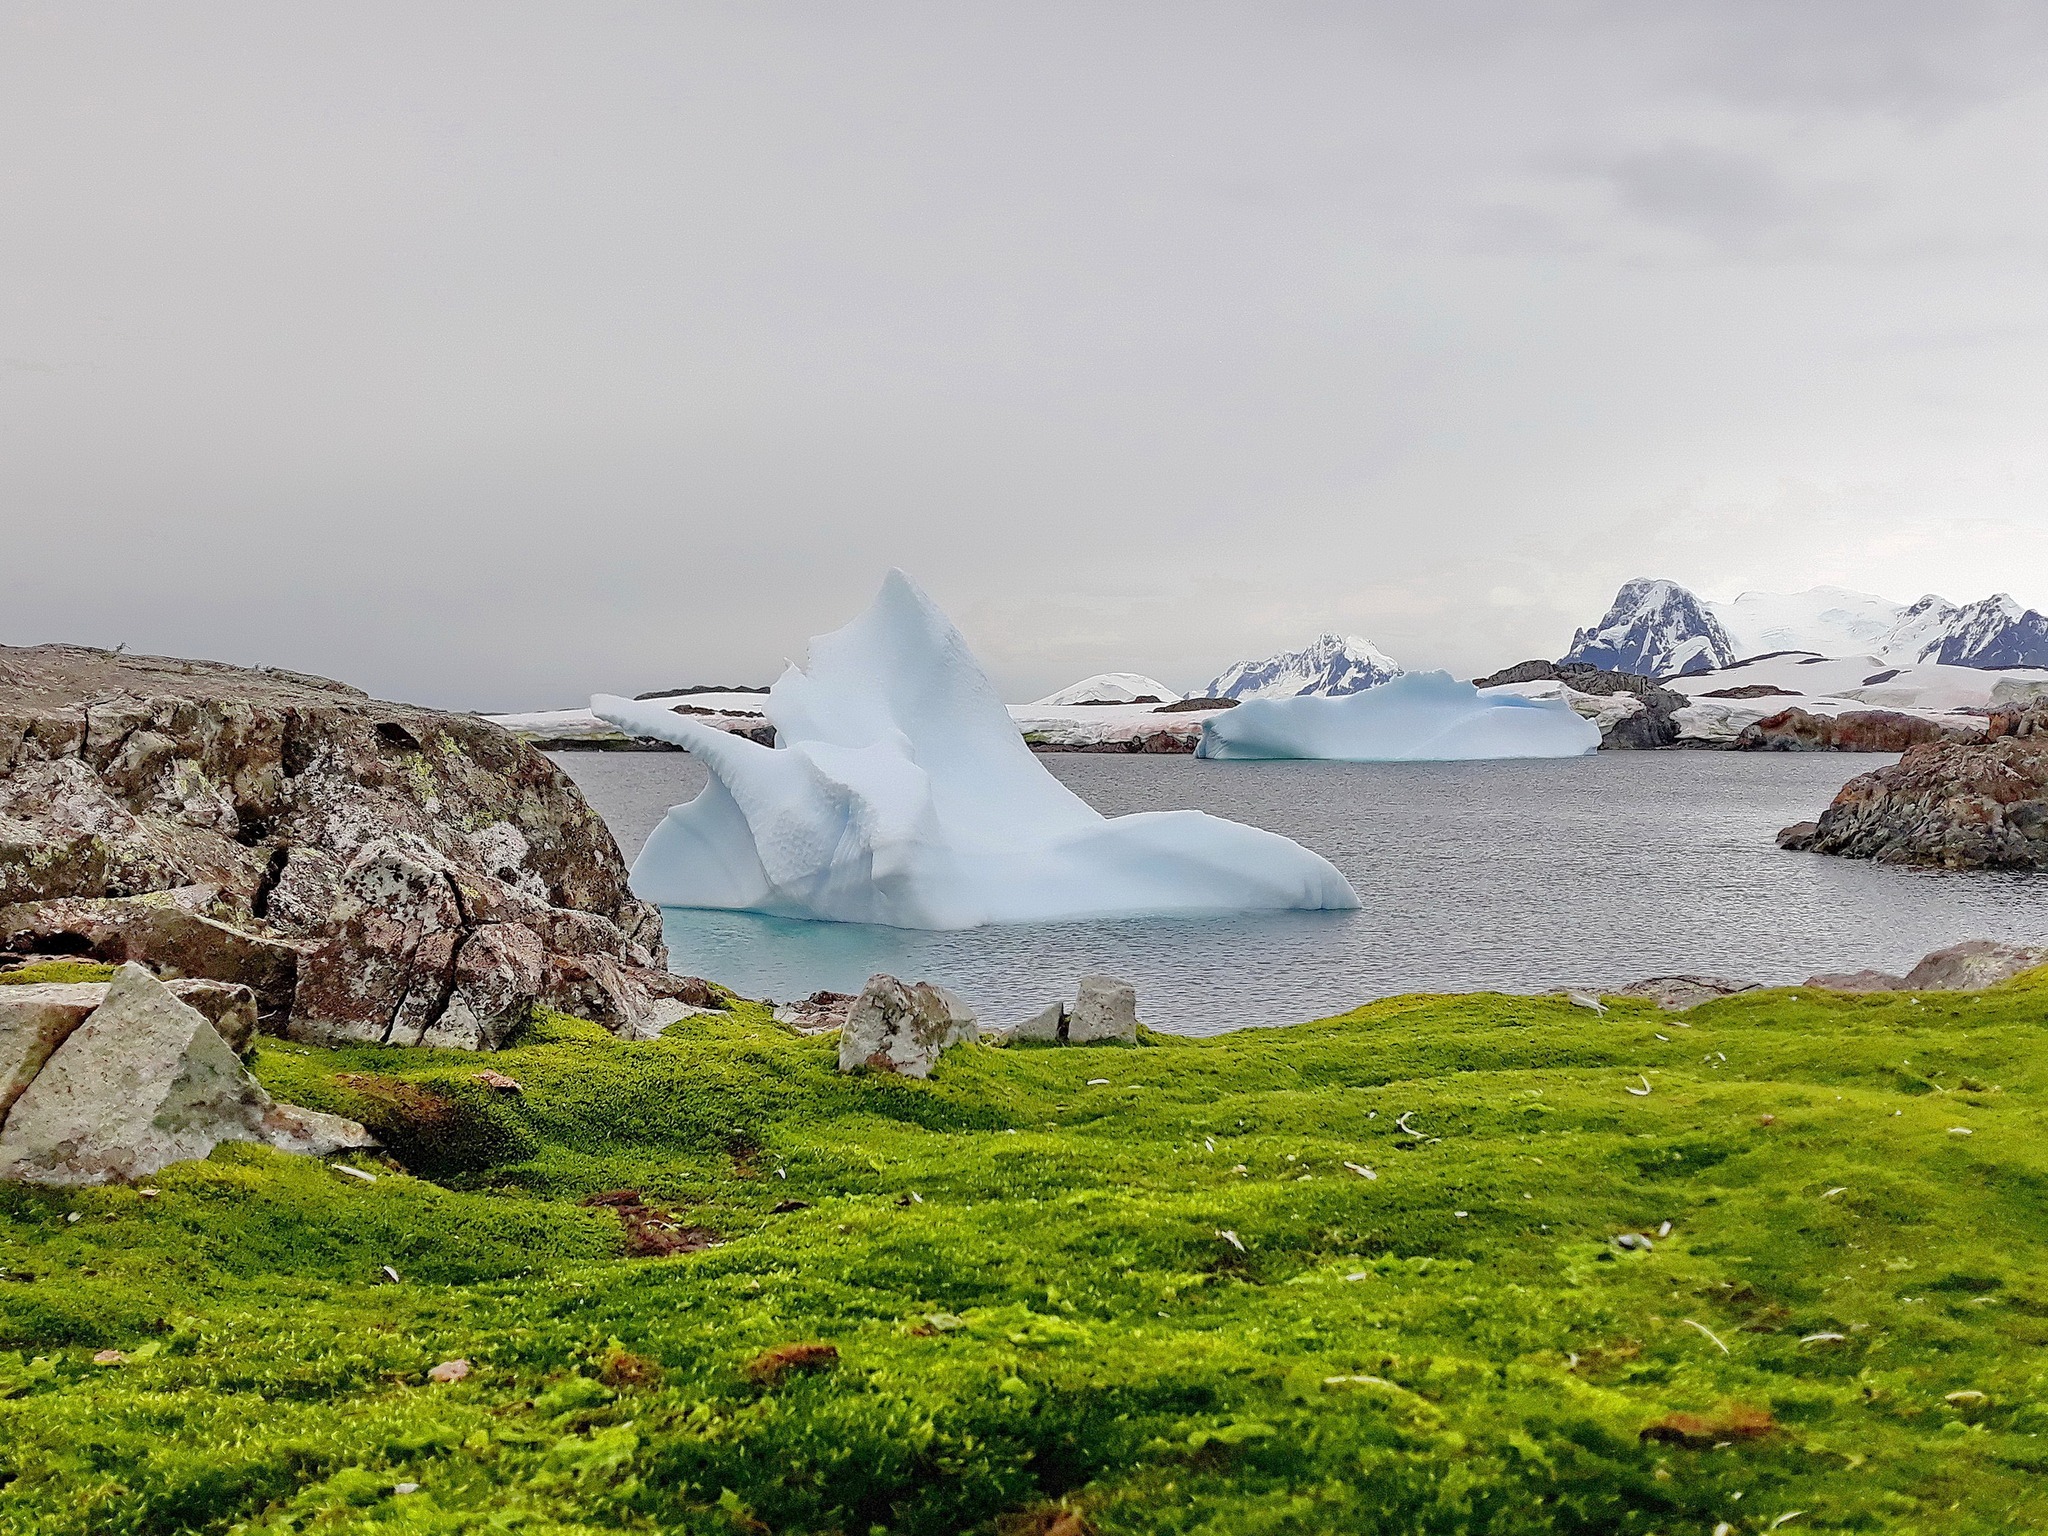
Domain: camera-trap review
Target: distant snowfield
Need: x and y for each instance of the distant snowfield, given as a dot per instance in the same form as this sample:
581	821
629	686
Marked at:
1828	621
1837	685
1056	725
721	709
1818	685
1104	724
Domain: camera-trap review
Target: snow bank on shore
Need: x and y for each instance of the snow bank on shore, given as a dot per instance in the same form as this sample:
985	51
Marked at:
1837	685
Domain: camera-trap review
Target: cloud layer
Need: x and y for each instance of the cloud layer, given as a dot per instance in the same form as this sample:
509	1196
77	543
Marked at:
491	354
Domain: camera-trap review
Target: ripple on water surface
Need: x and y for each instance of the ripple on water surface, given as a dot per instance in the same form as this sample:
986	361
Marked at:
1513	875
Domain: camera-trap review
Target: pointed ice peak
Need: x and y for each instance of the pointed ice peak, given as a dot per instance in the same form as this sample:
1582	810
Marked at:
1332	664
900	792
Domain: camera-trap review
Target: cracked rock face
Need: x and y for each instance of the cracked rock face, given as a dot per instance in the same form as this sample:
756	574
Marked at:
372	871
903	1029
141	1081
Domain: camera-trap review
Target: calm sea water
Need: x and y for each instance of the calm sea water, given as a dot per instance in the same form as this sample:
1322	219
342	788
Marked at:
1516	876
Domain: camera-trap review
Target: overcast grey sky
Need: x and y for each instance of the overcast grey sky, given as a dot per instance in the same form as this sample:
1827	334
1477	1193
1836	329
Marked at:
492	354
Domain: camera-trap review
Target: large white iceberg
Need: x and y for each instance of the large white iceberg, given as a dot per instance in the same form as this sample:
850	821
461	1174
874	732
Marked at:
899	792
1423	717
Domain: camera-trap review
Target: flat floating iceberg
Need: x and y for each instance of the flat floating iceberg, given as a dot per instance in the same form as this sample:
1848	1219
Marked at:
900	793
1420	718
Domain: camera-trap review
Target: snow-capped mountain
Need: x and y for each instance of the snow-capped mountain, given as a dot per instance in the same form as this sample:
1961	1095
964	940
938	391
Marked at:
1335	664
1992	632
1654	629
1829	621
1660	629
1112	688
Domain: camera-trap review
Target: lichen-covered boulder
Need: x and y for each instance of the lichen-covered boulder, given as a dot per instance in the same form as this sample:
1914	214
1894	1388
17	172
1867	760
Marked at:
375	872
141	1082
903	1029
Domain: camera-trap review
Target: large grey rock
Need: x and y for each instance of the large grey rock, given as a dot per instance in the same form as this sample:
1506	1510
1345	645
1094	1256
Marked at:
903	1029
1048	1025
34	1021
1966	967
145	1081
1107	1009
227	1006
286	798
1679	993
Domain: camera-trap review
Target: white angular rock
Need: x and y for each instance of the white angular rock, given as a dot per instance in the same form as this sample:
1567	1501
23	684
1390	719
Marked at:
903	1029
1045	1025
1107	1009
901	794
34	1021
1421	717
229	1007
145	1081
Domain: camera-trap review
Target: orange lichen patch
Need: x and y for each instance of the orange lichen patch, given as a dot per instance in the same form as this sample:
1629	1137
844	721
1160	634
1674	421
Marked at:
771	1365
624	1371
1735	1422
1051	1521
652	1233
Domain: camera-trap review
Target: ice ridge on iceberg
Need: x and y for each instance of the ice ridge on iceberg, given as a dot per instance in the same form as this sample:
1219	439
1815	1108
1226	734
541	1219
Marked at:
1421	717
900	792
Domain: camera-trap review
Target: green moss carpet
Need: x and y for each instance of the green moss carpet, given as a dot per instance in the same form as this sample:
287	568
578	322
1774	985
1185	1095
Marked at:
1116	1290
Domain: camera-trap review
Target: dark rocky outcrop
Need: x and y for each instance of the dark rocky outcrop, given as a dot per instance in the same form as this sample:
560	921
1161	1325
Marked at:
1649	727
1959	805
1157	743
1183	706
1798	838
372	871
1520	672
1855	730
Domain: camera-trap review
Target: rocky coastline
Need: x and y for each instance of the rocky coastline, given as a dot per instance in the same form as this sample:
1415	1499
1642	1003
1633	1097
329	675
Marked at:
1953	805
1634	713
372	871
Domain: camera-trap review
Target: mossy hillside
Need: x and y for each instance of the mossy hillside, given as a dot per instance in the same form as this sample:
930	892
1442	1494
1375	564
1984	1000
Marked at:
1022	1272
